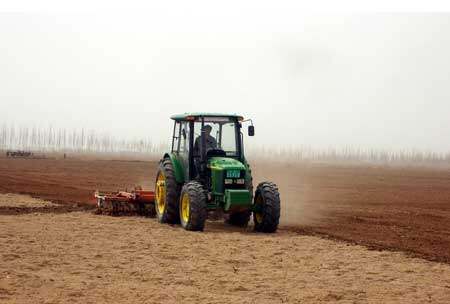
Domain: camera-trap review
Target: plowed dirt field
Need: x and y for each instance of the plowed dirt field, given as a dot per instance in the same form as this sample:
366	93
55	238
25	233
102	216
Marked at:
60	252
405	209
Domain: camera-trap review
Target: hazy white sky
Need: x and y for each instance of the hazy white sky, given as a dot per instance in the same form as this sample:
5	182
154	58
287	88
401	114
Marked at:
369	80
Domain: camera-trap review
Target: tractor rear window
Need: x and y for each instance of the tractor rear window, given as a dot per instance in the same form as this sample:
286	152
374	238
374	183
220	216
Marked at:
220	134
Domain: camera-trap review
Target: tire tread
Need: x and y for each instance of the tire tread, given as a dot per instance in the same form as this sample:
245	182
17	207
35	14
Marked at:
271	207
171	213
198	212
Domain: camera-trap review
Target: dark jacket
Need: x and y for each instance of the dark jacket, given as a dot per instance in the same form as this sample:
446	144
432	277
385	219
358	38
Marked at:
211	143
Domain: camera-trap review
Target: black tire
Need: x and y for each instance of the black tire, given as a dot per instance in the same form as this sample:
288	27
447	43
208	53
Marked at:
239	219
194	219
169	214
266	215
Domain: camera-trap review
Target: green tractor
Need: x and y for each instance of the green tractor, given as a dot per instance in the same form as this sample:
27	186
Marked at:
206	172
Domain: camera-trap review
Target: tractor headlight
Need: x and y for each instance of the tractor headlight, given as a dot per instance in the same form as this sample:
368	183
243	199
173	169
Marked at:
240	181
228	181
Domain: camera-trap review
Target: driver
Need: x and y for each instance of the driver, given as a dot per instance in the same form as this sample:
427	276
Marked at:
210	141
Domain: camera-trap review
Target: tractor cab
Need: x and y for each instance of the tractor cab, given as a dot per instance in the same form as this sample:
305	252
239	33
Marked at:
199	137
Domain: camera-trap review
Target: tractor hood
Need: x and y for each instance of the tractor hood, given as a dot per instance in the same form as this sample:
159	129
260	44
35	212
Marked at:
225	163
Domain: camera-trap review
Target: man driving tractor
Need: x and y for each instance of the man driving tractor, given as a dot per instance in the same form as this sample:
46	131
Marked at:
210	141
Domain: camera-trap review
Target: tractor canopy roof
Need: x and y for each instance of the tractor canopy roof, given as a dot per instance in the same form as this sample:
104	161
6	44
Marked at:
194	116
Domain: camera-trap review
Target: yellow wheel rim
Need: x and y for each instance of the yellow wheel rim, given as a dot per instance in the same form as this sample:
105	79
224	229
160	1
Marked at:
259	215
185	203
160	193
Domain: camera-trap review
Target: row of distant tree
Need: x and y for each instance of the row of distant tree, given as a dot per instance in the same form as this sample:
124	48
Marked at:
61	140
80	140
350	154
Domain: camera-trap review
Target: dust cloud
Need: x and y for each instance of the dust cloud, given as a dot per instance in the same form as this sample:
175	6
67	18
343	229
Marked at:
296	191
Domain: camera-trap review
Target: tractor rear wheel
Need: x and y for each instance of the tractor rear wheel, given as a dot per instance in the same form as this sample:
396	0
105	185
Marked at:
266	214
167	193
192	208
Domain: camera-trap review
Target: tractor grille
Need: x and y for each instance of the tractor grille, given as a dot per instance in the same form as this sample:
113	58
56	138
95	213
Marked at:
220	181
235	186
234	176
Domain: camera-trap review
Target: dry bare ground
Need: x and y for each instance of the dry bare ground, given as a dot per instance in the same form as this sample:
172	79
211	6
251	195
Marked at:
397	208
11	200
49	253
79	257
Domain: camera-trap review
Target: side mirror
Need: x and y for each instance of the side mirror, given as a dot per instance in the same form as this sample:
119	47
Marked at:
251	131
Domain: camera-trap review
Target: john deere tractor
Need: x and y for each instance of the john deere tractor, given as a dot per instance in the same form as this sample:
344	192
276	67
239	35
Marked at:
206	172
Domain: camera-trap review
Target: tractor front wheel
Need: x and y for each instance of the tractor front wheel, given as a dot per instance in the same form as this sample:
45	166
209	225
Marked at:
192	208
266	213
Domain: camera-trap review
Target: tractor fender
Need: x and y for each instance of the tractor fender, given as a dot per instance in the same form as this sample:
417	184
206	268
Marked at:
177	167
